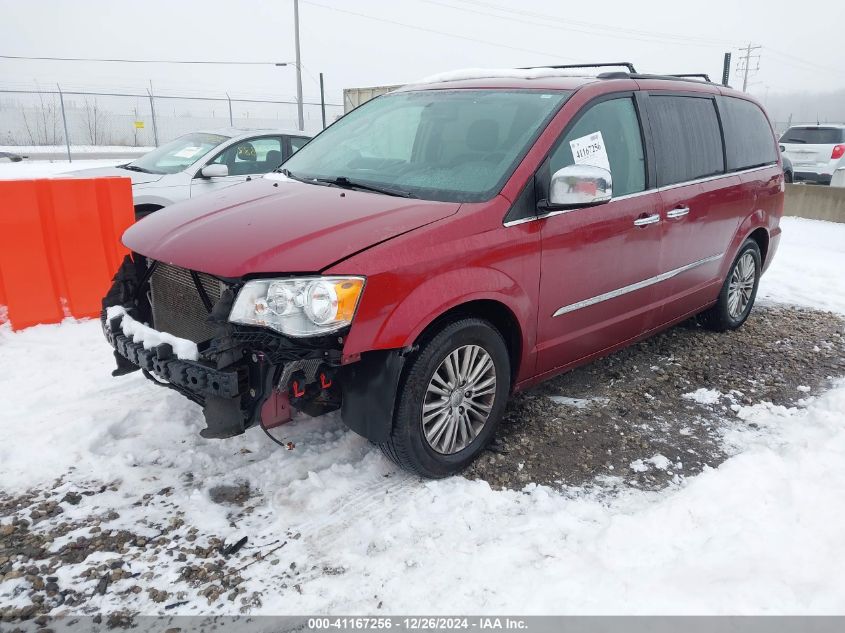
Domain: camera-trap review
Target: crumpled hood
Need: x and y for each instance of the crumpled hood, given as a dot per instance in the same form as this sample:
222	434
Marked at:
276	226
100	172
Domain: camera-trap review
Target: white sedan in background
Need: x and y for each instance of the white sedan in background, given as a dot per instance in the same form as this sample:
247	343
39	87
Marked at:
201	162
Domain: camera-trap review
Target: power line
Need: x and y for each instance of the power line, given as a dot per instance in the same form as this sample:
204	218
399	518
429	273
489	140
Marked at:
145	61
444	33
650	35
146	95
804	61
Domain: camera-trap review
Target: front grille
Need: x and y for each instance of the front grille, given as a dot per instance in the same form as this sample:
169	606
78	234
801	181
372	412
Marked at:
176	303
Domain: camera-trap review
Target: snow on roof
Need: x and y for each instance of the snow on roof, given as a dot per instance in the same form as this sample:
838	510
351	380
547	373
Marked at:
505	73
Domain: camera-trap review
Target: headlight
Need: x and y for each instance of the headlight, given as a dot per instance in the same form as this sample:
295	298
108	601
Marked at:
300	306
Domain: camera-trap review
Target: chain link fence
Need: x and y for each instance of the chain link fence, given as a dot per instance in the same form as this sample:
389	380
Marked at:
74	118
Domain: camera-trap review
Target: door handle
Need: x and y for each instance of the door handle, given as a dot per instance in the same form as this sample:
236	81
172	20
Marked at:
680	212
647	219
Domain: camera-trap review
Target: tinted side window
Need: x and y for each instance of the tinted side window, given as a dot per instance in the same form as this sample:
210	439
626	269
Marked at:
748	136
296	142
252	156
688	142
619	126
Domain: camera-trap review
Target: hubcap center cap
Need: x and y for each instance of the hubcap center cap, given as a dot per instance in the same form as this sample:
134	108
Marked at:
456	398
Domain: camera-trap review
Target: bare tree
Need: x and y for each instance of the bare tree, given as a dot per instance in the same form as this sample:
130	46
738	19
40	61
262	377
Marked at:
95	123
42	122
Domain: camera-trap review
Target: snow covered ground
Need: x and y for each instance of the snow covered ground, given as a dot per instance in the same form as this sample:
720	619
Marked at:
46	169
24	150
760	534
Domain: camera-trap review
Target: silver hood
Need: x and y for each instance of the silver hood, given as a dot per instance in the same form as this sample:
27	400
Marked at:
137	177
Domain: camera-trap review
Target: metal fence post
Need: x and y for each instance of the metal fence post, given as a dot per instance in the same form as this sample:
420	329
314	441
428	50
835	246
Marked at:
231	120
153	113
322	101
64	121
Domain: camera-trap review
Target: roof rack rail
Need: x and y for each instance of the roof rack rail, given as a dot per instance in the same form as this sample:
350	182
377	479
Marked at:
627	65
678	77
703	76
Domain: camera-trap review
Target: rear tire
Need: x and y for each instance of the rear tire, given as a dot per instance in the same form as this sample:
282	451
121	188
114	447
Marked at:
736	299
439	424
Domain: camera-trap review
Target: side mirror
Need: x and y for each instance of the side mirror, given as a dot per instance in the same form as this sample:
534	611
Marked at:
214	171
580	185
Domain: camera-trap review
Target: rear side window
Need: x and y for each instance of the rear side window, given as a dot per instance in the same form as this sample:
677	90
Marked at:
748	137
296	142
688	142
617	122
814	135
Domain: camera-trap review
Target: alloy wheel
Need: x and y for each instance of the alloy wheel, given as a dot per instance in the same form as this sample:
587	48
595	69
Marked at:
741	286
458	399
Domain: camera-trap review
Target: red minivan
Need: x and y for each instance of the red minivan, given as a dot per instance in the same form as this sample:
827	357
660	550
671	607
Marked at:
451	243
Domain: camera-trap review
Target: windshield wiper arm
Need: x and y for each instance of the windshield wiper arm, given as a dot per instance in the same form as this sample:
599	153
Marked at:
346	183
132	167
286	172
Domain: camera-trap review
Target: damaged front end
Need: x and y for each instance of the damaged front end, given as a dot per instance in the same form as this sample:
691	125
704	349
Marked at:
241	374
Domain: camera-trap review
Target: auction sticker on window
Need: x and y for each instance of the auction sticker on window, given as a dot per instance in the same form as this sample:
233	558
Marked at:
590	150
188	152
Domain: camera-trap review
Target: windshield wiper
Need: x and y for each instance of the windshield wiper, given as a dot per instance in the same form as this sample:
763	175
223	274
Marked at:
132	167
286	172
346	183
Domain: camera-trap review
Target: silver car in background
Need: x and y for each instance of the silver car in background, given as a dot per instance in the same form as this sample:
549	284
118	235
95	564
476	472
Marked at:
817	152
201	162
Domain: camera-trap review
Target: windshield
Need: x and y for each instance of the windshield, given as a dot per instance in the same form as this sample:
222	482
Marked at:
178	154
449	145
814	135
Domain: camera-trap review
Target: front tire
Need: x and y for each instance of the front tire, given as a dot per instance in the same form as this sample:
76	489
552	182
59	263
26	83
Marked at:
738	292
451	398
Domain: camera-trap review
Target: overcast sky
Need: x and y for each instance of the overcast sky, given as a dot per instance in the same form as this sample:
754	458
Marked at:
374	42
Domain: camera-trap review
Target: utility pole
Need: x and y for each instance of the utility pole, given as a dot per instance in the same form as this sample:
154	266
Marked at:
298	67
745	63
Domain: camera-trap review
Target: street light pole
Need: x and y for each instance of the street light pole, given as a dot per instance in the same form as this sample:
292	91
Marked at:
298	66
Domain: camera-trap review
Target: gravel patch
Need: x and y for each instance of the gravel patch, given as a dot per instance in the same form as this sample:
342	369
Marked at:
655	412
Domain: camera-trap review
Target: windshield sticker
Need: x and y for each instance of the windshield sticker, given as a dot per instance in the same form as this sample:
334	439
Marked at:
188	152
590	150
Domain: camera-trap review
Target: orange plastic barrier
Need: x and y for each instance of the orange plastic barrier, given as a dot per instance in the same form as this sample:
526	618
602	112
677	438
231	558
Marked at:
60	246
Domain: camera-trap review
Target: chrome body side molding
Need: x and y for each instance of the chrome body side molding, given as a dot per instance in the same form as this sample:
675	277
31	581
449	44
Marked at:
635	286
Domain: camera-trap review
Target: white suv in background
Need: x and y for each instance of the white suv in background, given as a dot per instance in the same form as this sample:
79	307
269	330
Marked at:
816	152
201	162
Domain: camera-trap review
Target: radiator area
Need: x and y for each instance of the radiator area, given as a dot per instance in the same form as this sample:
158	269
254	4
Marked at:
177	306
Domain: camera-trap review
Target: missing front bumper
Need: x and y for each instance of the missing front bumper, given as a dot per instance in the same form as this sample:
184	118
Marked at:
191	376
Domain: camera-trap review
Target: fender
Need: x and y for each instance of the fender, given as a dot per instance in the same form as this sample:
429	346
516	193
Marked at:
767	211
421	304
758	219
370	385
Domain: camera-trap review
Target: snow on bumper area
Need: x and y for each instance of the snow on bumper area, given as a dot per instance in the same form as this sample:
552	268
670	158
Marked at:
339	529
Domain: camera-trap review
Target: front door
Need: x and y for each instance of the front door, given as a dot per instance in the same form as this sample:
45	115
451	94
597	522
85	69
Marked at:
245	160
600	264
